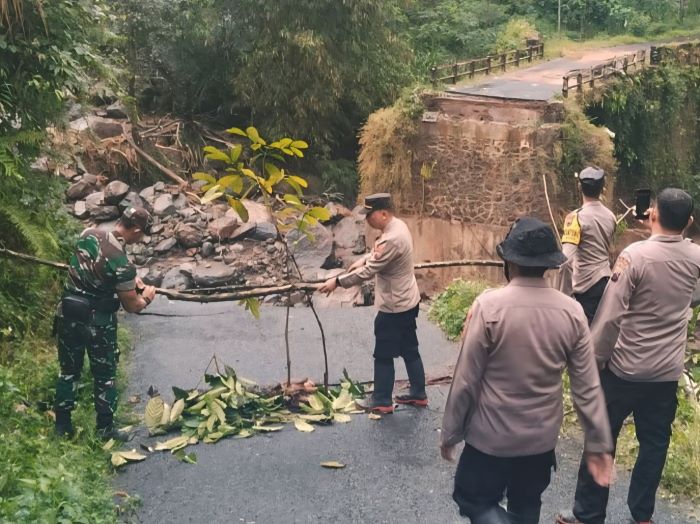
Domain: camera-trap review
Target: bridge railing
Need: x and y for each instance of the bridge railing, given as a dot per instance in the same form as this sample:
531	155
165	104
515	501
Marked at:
578	79
499	62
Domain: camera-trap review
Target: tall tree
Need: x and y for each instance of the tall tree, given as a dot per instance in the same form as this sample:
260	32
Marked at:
319	67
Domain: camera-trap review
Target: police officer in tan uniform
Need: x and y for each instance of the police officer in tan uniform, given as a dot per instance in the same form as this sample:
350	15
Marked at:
588	235
397	298
640	335
505	402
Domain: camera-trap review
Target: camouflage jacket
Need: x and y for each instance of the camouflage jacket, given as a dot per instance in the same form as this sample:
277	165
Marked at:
99	266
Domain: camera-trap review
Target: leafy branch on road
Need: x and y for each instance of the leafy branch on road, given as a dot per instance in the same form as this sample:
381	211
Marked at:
236	407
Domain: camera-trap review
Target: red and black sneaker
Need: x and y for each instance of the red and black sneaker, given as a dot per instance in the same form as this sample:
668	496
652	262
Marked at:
371	406
420	402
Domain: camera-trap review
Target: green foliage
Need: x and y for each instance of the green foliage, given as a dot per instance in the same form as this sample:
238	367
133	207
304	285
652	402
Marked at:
450	307
514	35
43	478
32	219
339	177
319	68
656	120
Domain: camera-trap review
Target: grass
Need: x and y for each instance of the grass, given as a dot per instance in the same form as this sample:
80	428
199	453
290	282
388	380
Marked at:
43	478
450	307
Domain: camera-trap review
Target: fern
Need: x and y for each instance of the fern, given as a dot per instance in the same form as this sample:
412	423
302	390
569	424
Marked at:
11	147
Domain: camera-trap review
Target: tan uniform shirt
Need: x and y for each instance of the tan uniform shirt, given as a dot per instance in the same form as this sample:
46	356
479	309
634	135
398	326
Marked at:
588	233
506	394
391	260
640	328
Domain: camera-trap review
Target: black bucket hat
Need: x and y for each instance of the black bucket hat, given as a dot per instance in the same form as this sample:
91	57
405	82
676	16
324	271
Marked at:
531	243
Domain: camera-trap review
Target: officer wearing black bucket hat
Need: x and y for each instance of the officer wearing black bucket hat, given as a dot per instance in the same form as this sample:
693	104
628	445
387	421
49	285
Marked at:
505	401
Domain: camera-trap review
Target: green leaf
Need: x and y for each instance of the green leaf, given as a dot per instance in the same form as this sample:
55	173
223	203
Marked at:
296	187
204	176
292	199
299	180
342	417
238	206
236	153
177	410
299	144
249	173
332	464
303	426
254	135
189	458
211	194
233	182
321	213
154	413
297	152
236	131
213	153
252	305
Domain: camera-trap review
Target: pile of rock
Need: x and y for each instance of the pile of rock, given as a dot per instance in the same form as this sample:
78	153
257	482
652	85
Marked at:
193	245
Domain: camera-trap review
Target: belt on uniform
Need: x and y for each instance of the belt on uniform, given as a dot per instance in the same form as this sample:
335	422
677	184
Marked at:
77	308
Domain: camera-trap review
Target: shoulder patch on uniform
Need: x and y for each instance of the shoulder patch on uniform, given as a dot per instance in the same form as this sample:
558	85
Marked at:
572	229
621	265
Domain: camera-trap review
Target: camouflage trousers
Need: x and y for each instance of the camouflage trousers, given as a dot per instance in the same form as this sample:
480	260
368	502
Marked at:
100	342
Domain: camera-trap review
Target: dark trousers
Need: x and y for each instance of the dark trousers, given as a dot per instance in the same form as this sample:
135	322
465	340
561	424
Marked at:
590	298
653	406
395	335
482	480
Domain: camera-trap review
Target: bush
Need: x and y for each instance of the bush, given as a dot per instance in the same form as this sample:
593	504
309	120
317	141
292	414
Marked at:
340	178
514	35
450	307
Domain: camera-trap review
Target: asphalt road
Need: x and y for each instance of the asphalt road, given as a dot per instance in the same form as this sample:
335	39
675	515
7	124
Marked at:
393	472
544	80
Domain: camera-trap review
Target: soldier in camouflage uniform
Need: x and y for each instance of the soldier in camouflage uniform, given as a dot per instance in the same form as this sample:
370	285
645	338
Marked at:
86	317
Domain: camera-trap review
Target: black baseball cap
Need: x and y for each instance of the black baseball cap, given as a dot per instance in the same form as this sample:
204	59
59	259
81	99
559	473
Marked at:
376	202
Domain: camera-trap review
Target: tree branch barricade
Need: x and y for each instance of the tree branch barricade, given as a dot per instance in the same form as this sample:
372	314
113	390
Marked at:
498	62
235	293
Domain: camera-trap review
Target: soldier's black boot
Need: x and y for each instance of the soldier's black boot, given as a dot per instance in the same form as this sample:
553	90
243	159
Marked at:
106	429
64	425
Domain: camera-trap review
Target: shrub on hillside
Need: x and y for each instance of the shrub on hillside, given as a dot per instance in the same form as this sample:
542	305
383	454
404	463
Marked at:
450	307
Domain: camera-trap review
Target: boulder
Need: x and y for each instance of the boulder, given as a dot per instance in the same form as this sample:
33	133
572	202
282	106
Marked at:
165	245
132	199
115	191
337	211
163	205
310	254
101	127
217	274
104	213
154	277
347	232
180	202
80	210
207	249
188	212
223	228
188	236
79	190
116	110
159	186
148	193
95	199
257	212
176	279
157	228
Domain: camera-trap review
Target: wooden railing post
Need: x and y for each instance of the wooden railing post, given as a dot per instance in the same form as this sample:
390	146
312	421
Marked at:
472	67
488	65
529	54
579	83
517	58
433	75
503	62
542	50
625	64
592	78
454	73
565	87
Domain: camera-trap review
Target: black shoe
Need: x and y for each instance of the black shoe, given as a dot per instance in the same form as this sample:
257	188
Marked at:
113	433
64	425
